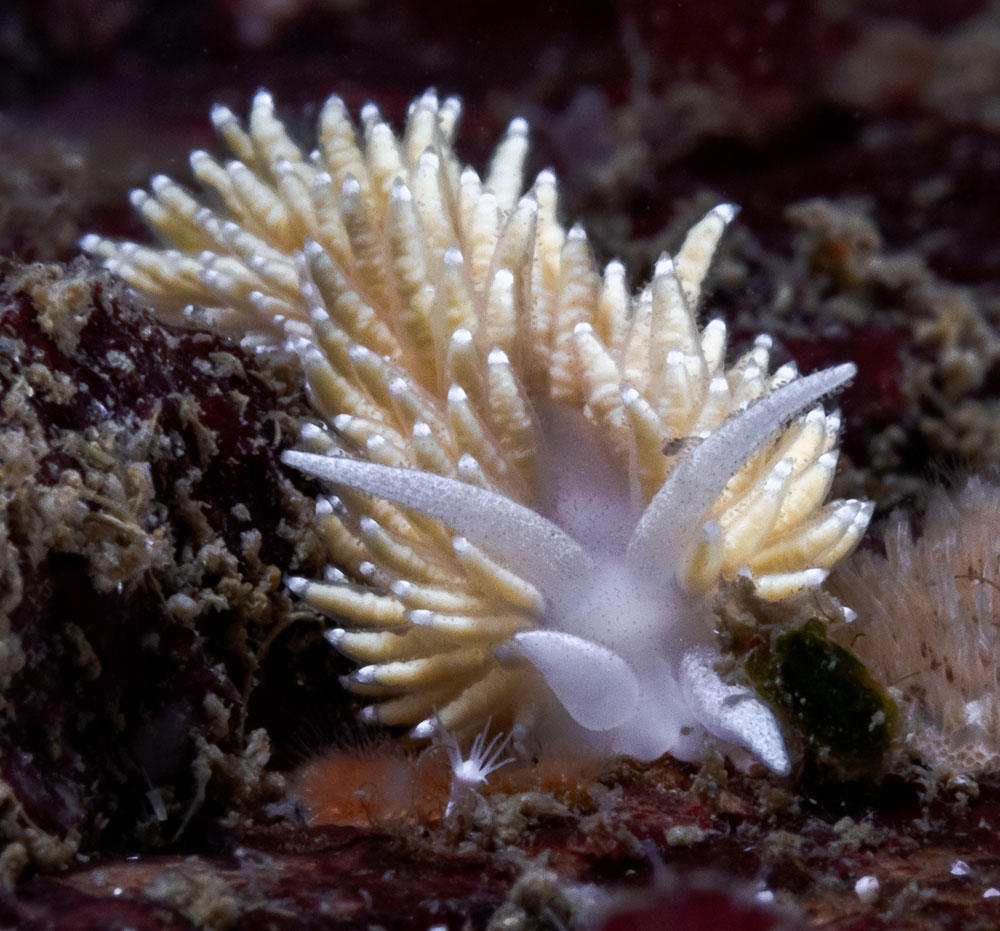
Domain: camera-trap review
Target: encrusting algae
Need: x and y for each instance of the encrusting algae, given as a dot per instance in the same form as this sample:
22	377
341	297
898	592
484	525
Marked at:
539	478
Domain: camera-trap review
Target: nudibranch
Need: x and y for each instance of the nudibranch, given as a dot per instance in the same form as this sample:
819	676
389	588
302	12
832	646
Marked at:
538	479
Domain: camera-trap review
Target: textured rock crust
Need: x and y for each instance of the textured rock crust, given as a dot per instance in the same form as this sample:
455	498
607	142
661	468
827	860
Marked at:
139	595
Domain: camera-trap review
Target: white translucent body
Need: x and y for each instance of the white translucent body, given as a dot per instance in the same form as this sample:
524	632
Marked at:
624	648
540	479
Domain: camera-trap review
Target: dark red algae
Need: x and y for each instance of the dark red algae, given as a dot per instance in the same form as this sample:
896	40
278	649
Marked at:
144	527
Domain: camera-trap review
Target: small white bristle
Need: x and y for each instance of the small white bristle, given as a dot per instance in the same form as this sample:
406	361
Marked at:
504	278
778	475
420	616
401	588
222	116
725	212
461	337
847	512
582	329
335	635
719	385
629	396
453	256
424	730
456	394
296	584
310	354
400	191
236	167
546	177
382	135
421	428
664	266
497	357
518	127
863	516
529	202
815	577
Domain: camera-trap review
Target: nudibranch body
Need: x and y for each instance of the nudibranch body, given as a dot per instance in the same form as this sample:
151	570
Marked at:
539	479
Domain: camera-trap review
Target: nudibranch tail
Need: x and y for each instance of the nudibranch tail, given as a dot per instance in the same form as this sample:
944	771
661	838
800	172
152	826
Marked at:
538	478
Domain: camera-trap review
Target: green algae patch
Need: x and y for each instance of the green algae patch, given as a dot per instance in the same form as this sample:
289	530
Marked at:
828	694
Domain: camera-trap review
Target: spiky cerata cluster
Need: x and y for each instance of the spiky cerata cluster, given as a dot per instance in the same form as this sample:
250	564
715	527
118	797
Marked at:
539	478
929	624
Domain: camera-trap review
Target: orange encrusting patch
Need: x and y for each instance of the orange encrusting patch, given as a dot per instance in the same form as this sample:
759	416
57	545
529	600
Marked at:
382	783
361	787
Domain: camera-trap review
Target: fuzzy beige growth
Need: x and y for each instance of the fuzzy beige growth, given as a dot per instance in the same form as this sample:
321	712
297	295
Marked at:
449	324
929	624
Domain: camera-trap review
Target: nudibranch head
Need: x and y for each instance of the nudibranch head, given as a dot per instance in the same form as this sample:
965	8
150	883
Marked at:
538	478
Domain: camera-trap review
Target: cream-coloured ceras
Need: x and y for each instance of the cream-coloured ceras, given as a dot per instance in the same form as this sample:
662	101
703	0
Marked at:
539	478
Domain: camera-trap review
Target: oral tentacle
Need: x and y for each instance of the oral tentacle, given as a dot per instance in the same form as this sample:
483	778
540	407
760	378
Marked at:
531	546
680	506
